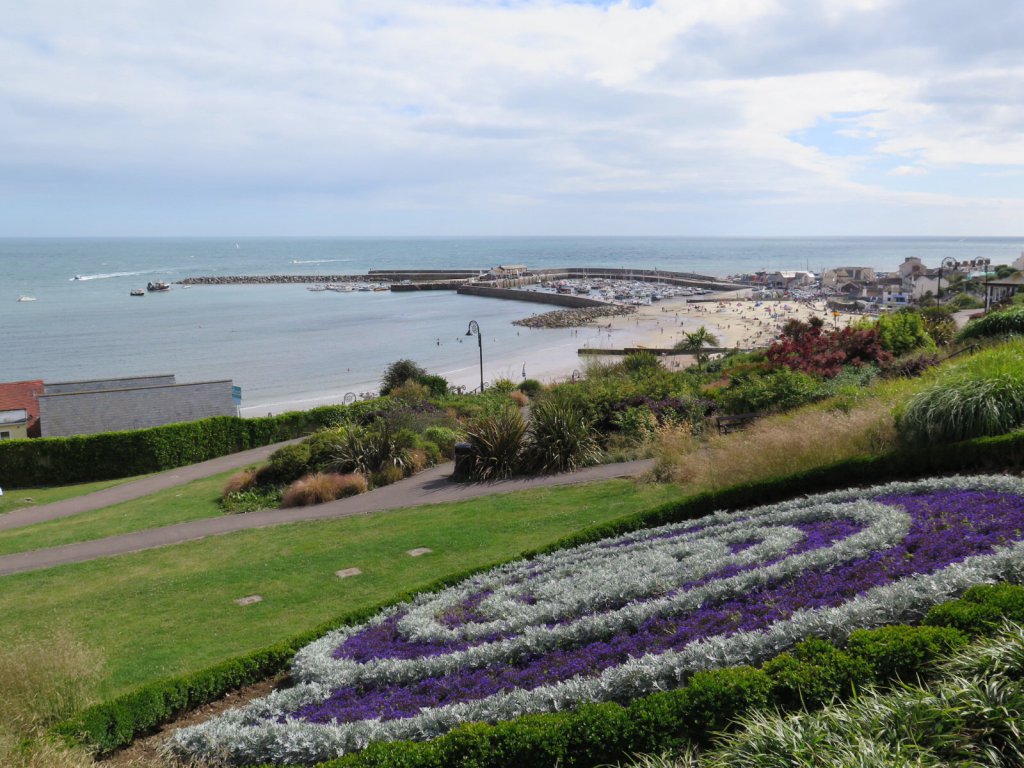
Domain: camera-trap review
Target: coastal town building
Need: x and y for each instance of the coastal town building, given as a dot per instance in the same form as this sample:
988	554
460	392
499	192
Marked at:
19	409
831	278
62	409
109	405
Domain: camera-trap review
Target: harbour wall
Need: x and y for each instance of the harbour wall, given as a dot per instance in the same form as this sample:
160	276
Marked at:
555	299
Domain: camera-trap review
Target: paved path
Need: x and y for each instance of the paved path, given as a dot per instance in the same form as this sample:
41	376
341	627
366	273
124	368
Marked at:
136	488
429	487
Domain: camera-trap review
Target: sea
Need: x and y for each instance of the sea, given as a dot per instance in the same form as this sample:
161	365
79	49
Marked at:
287	347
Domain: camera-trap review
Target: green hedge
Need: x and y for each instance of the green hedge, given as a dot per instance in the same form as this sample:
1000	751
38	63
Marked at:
112	725
109	455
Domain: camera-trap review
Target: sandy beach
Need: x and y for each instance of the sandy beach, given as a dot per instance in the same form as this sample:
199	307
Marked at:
735	320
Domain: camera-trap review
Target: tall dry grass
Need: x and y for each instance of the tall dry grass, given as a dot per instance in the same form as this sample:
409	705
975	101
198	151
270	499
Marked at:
40	685
774	446
321	487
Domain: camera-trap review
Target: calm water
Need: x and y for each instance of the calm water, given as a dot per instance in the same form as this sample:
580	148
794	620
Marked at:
286	344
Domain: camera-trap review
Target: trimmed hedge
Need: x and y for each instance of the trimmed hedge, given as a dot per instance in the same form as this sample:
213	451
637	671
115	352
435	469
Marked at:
111	455
111	725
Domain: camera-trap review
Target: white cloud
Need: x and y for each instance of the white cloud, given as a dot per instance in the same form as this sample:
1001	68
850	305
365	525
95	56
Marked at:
500	110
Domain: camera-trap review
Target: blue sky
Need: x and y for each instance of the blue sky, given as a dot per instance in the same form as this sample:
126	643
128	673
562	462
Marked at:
514	117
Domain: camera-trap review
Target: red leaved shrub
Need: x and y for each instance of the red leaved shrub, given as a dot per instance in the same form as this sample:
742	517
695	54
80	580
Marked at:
809	348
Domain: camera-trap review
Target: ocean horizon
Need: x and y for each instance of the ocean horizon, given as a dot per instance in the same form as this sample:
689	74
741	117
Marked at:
289	347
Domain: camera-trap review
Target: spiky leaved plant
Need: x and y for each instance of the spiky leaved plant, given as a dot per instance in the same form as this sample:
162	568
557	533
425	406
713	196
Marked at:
497	442
560	438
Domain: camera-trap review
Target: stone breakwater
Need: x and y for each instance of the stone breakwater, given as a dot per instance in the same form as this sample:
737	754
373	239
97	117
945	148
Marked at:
573	318
272	279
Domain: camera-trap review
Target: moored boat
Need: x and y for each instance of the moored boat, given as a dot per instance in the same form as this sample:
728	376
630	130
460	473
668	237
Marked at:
136	292
26	298
158	285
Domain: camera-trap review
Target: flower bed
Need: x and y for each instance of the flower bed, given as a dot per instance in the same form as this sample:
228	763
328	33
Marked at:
623	617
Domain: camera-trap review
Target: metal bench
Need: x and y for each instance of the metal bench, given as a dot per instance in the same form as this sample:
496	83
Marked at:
727	424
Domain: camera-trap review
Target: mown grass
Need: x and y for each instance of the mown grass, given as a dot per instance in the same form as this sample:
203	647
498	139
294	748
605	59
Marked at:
170	611
17	498
192	501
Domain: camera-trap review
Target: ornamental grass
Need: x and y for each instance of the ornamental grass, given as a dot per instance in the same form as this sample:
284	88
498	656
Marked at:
321	487
240	481
40	685
774	446
981	396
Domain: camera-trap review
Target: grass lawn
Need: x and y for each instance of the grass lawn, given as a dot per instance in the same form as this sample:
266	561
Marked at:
180	504
16	498
167	611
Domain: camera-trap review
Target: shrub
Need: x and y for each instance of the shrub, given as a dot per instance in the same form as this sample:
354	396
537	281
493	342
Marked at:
321	487
981	609
912	366
497	444
437	386
559	439
939	324
398	373
1005	322
519	398
503	385
809	348
443	437
286	464
640	362
903	332
240	481
409	391
901	652
387	475
814	673
369	450
531	387
782	389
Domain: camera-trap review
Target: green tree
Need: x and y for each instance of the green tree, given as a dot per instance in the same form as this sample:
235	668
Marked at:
400	372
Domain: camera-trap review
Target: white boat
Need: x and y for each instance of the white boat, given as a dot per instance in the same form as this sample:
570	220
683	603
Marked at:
26	298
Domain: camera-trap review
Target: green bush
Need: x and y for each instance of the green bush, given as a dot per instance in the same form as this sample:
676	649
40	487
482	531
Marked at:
251	499
530	387
372	450
443	437
559	439
901	652
1005	322
399	372
779	390
437	386
288	463
903	332
981	609
497	444
814	673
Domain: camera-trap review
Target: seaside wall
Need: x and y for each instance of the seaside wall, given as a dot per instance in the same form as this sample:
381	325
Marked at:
556	299
689	279
101	385
112	410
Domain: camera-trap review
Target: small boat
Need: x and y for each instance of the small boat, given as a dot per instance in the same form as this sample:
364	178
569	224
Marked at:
26	298
136	292
158	285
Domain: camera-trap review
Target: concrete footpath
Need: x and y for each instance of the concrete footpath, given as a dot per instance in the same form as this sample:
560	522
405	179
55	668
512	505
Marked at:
429	487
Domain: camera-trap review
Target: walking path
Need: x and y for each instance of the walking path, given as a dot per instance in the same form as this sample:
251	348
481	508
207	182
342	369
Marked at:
429	487
137	488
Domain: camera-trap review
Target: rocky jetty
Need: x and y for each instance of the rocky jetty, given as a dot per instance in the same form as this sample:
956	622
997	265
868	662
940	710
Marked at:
574	318
271	279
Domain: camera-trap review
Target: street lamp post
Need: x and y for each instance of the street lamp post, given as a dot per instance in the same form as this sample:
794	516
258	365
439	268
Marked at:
474	329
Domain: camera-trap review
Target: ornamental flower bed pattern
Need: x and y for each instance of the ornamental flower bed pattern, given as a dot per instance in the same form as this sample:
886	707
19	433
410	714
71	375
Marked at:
628	616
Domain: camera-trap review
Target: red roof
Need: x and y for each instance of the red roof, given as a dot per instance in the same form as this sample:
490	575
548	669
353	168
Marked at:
22	394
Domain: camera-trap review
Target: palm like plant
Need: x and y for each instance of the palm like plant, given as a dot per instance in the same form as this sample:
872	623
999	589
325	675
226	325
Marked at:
694	343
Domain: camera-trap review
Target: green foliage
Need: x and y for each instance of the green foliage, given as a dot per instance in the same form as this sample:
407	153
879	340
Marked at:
399	372
252	499
813	674
497	442
87	458
902	332
939	324
531	387
981	609
371	450
503	385
288	463
694	344
443	437
980	396
559	439
1005	322
640	362
901	652
436	385
778	390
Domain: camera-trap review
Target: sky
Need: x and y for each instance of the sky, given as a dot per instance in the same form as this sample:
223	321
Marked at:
513	117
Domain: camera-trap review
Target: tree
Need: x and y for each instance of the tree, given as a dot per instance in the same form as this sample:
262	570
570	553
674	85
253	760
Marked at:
400	372
694	343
